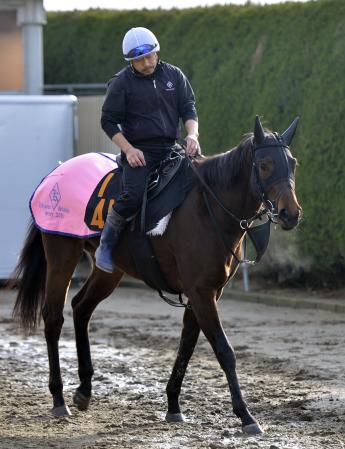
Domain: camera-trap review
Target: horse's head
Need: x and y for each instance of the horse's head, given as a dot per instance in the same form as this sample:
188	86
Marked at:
273	176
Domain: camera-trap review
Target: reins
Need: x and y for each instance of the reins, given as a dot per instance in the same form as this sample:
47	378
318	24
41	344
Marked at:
243	223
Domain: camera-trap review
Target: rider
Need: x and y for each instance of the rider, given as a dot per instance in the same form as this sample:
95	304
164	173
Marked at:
143	106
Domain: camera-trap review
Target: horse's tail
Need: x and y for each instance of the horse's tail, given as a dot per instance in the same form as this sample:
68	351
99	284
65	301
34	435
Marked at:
30	276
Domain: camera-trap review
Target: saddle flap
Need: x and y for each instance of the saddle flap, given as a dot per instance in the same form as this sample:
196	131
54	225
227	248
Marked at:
147	265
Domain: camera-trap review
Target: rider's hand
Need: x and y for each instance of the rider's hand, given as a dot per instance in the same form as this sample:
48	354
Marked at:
192	147
135	157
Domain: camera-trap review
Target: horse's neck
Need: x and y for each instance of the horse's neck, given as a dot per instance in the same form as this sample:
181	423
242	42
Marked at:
239	199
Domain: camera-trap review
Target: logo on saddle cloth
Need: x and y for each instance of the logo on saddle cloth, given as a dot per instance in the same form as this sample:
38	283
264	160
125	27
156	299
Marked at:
55	196
102	200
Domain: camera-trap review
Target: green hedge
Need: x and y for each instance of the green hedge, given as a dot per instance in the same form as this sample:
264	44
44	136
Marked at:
277	61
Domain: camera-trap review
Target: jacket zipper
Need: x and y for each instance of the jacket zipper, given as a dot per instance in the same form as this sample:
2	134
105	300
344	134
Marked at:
159	104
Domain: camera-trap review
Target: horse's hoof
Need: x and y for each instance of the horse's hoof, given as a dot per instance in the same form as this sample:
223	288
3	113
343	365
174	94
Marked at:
61	411
175	417
82	402
253	429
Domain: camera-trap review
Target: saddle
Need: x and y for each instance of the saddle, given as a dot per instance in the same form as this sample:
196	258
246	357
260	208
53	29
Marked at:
165	190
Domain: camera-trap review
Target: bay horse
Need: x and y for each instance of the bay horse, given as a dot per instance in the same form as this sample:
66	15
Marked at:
194	258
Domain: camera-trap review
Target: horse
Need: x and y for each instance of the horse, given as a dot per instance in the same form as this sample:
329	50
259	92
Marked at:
198	253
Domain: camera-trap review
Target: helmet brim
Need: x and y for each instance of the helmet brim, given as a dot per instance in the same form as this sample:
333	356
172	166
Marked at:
135	58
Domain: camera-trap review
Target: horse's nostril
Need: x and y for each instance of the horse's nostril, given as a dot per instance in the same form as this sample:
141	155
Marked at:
283	214
287	217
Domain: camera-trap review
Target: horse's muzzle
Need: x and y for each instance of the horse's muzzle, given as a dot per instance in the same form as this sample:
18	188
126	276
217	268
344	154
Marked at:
288	220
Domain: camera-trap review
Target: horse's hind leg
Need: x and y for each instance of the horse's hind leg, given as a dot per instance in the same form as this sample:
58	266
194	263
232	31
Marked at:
62	255
204	306
189	338
98	287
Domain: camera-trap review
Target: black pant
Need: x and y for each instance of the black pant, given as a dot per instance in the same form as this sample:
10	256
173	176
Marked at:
134	181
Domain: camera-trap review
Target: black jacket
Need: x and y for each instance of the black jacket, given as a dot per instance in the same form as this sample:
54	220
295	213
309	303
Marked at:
148	108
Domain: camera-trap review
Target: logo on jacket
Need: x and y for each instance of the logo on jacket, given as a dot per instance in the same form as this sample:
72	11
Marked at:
170	86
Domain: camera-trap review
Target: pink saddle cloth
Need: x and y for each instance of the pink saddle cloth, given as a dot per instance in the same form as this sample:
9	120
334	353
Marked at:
59	202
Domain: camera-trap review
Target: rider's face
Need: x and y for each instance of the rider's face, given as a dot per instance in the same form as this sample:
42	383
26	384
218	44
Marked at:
147	64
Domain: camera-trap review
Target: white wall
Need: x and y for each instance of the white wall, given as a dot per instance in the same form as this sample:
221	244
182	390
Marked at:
36	132
91	136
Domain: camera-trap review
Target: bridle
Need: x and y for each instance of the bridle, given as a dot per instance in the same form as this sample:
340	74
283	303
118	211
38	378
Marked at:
283	172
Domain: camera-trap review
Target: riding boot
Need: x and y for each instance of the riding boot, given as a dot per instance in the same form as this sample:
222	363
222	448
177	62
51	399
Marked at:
110	237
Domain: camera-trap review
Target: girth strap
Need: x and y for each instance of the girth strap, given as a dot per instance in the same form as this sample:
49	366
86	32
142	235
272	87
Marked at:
146	262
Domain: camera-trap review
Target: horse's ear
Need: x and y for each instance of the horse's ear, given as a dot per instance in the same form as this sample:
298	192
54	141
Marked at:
290	132
259	133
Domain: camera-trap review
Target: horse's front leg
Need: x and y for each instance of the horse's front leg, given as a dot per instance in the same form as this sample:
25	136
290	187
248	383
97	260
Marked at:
98	287
189	338
204	305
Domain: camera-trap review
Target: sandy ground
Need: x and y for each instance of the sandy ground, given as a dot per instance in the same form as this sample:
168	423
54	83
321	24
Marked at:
290	365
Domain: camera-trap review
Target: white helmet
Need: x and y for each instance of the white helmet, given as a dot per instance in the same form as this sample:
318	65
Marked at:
139	42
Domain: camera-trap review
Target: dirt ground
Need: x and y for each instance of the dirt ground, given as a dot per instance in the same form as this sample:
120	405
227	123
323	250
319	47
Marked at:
290	366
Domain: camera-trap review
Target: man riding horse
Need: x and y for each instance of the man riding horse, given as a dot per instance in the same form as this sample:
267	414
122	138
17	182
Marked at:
144	104
201	248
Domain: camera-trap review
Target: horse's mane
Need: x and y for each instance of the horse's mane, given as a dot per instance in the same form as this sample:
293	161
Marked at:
223	170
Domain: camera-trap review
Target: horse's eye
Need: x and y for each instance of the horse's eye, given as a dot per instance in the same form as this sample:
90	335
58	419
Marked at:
266	167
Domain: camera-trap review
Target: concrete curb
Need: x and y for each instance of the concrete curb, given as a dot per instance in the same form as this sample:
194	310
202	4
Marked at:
330	305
